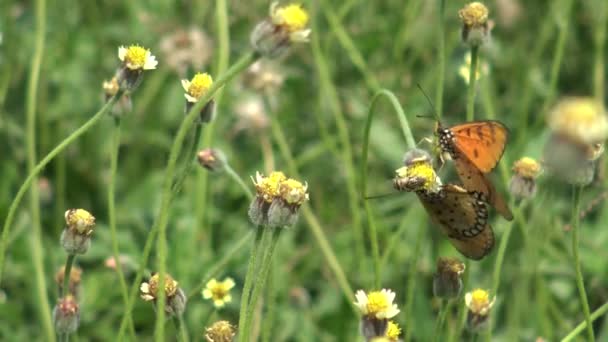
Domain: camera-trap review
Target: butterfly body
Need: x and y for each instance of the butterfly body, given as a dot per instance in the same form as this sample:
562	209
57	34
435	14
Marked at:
462	216
476	148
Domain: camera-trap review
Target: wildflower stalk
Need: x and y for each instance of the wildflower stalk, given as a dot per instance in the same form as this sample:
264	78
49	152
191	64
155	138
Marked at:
181	328
44	309
66	274
189	157
577	265
472	83
244	331
411	143
599	47
220	264
443	312
251	268
411	282
235	176
8	222
579	328
271	304
112	218
441	52
309	216
160	224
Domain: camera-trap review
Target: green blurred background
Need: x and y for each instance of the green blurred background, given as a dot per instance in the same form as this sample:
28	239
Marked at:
357	47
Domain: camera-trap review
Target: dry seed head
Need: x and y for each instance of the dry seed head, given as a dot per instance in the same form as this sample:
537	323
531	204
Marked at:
220	331
186	48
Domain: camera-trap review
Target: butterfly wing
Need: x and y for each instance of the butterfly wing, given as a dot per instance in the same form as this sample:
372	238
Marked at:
462	216
483	142
474	180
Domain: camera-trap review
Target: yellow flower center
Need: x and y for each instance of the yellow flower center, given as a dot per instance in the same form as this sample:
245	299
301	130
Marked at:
393	331
199	85
293	17
377	302
293	191
474	14
268	187
527	167
136	56
480	300
80	220
219	291
424	170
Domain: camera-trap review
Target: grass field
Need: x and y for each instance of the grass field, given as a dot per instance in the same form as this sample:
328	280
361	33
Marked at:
306	113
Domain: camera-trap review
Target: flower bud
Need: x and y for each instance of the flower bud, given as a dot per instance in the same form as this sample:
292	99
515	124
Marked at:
66	315
76	237
273	36
447	282
211	159
475	25
523	181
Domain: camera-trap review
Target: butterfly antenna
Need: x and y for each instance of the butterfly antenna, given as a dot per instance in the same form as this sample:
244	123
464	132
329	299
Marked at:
436	116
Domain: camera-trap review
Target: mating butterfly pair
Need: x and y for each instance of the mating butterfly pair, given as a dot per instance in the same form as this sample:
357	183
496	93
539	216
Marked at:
461	212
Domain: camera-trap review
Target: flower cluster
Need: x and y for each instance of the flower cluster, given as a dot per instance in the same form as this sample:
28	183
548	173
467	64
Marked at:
278	200
377	308
219	291
285	25
174	295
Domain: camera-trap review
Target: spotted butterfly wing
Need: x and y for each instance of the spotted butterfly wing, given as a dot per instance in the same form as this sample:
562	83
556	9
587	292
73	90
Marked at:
462	216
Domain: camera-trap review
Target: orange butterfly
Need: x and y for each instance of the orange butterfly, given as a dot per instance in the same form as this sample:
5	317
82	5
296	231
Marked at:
462	216
476	148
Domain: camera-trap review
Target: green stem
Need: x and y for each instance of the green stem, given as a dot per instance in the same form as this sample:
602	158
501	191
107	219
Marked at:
445	307
271	295
581	326
363	171
577	265
220	264
66	275
441	52
114	150
181	327
44	309
162	218
235	176
251	268
8	222
163	215
245	330
411	282
599	44
472	83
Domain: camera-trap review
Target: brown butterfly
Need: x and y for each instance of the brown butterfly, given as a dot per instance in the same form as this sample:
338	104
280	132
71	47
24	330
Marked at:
462	215
476	148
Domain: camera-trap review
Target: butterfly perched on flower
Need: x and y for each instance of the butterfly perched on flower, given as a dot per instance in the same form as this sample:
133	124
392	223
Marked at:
476	148
462	215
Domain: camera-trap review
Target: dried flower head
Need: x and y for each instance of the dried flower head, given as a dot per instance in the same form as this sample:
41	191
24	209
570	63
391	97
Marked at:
479	304
220	331
211	159
447	282
475	24
264	75
218	291
74	281
378	304
80	221
251	115
174	295
66	315
186	48
583	120
135	60
285	25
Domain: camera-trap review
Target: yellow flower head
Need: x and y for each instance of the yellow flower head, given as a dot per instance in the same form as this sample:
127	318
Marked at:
393	331
416	176
110	88
293	191
378	304
292	17
474	14
197	87
527	167
220	331
581	119
149	290
450	266
136	57
80	221
218	291
479	302
268	187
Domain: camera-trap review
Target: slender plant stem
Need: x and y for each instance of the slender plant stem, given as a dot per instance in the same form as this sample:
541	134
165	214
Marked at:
163	215
271	298
599	47
66	275
215	268
363	170
8	222
577	264
445	308
411	282
258	287
251	268
441	52
44	309
472	83
462	312
114	150
579	328
181	327
309	216
235	176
